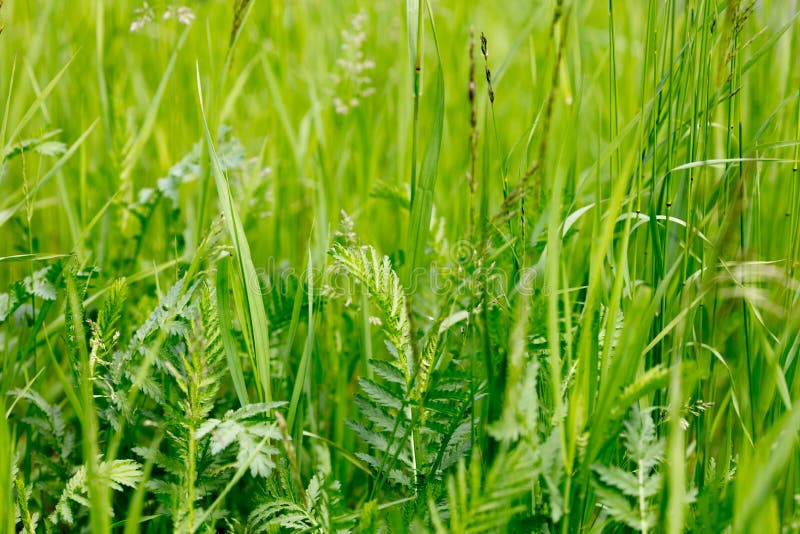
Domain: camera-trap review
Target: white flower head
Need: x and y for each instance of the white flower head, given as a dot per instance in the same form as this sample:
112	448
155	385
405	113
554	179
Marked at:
352	83
182	14
144	15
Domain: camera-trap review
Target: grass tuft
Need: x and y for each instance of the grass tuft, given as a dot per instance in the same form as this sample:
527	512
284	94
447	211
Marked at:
451	267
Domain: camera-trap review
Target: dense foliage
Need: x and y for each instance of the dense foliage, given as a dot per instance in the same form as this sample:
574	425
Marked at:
354	266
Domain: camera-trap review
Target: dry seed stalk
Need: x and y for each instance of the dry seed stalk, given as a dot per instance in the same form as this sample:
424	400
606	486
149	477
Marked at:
485	52
554	81
521	188
473	131
239	10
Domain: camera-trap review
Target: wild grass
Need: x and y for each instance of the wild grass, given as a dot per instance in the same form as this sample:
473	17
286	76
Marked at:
400	267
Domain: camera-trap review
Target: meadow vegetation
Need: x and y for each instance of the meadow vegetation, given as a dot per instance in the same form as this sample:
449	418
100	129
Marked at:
421	266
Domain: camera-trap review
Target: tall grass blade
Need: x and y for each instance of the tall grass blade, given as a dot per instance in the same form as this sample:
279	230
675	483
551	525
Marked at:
305	360
6	468
423	190
137	144
99	491
255	320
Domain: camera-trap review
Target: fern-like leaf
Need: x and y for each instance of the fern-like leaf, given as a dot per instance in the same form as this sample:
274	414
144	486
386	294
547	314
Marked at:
118	473
376	273
616	487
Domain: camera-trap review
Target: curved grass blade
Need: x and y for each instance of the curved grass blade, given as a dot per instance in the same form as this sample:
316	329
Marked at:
255	317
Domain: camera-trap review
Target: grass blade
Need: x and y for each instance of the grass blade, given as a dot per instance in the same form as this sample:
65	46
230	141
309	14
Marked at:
255	320
226	327
7	213
36	104
136	146
305	360
422	191
6	484
99	494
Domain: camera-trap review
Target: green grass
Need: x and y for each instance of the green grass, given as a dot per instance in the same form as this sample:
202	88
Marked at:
400	266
